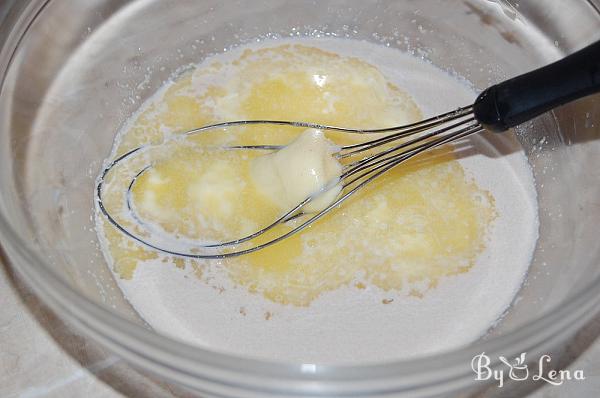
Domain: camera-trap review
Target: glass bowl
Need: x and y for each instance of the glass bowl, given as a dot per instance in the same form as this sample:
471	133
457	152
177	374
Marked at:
74	71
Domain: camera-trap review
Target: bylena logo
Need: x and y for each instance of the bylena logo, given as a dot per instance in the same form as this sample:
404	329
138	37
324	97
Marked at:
519	370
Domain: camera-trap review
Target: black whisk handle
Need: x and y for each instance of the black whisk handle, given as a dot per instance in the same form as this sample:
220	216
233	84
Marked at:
524	97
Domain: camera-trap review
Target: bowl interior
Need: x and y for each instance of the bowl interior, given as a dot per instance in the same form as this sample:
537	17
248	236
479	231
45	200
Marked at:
74	81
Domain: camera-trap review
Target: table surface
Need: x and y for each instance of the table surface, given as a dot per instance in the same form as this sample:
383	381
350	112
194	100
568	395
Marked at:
41	356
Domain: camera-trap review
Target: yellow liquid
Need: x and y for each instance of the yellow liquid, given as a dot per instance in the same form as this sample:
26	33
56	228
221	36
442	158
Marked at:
421	221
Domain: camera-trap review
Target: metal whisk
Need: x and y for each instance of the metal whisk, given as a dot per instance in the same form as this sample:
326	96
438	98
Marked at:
498	108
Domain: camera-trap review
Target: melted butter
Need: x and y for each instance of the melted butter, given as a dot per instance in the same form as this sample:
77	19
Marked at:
419	222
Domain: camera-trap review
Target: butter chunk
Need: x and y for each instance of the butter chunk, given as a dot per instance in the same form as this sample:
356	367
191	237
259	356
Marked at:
305	167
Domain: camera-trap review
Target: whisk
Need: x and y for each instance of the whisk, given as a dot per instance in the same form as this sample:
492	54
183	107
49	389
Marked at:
498	108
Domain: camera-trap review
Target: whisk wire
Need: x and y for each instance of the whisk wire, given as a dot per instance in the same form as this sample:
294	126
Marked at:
372	160
422	136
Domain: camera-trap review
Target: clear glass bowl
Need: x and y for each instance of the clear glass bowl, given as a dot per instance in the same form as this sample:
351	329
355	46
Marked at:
73	71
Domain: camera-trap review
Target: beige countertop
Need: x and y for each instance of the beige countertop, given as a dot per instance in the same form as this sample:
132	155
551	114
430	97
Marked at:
41	356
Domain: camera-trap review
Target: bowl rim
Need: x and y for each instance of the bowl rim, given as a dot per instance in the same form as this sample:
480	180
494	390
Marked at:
198	367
